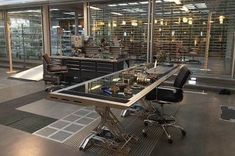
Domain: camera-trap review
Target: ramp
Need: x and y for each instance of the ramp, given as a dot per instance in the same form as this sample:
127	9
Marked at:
32	74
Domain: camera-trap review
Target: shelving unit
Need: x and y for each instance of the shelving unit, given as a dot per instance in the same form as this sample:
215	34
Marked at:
27	42
3	52
61	44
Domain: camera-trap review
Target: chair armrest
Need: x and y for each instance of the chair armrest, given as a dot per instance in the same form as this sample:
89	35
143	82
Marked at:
169	88
169	94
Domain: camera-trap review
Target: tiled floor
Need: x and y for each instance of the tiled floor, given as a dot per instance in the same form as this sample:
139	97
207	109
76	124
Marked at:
66	127
48	108
198	113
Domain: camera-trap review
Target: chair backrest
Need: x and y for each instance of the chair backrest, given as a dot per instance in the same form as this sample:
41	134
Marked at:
182	77
46	58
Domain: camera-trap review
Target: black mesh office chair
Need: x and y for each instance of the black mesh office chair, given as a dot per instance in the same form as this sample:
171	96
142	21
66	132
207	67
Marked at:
53	73
167	95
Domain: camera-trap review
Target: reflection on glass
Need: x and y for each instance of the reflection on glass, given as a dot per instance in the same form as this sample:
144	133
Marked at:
121	25
122	85
3	52
63	28
26	30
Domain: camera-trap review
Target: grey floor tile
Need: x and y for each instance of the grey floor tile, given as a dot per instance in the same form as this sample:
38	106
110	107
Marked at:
71	118
52	109
46	131
82	112
61	136
85	121
73	128
60	124
93	115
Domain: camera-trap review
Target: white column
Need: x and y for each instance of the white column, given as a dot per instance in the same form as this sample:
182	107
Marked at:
46	29
208	36
149	31
152	31
76	22
86	18
8	41
233	63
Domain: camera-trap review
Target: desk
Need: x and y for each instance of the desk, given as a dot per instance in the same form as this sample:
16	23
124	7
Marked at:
83	69
109	133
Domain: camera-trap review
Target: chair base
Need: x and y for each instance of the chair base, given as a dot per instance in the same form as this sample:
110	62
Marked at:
164	124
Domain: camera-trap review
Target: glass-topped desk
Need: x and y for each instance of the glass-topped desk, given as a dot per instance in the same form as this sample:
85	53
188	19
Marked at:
119	90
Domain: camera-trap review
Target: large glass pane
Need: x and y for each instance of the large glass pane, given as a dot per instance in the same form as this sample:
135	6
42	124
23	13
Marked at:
181	29
3	52
121	25
27	40
64	26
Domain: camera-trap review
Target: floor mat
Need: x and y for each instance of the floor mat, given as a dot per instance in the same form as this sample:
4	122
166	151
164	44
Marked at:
228	113
24	121
69	125
133	125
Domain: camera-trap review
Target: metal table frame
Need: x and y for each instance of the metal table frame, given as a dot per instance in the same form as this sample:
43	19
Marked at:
109	133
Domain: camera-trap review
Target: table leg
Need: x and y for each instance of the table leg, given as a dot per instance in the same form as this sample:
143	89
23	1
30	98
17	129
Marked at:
109	133
141	110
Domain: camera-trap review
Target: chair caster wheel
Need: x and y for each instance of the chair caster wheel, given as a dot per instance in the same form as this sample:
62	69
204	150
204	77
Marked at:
145	124
144	133
183	132
81	149
170	141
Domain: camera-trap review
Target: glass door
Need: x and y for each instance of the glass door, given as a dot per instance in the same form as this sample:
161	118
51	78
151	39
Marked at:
26	37
3	51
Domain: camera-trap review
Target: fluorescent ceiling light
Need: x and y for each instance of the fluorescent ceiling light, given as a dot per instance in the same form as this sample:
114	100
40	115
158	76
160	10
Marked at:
54	9
134	10
184	8
145	2
94	8
116	13
175	1
123	4
201	5
112	5
134	3
69	13
158	1
190	6
26	11
10	2
95	87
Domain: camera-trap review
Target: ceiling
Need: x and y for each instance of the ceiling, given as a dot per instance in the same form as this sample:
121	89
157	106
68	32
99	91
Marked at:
6	4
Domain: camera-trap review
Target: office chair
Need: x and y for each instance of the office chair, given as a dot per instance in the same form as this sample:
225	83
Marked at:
163	96
53	72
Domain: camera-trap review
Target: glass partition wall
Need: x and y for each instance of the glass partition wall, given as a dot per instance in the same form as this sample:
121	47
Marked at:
26	36
3	51
66	21
180	31
121	24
